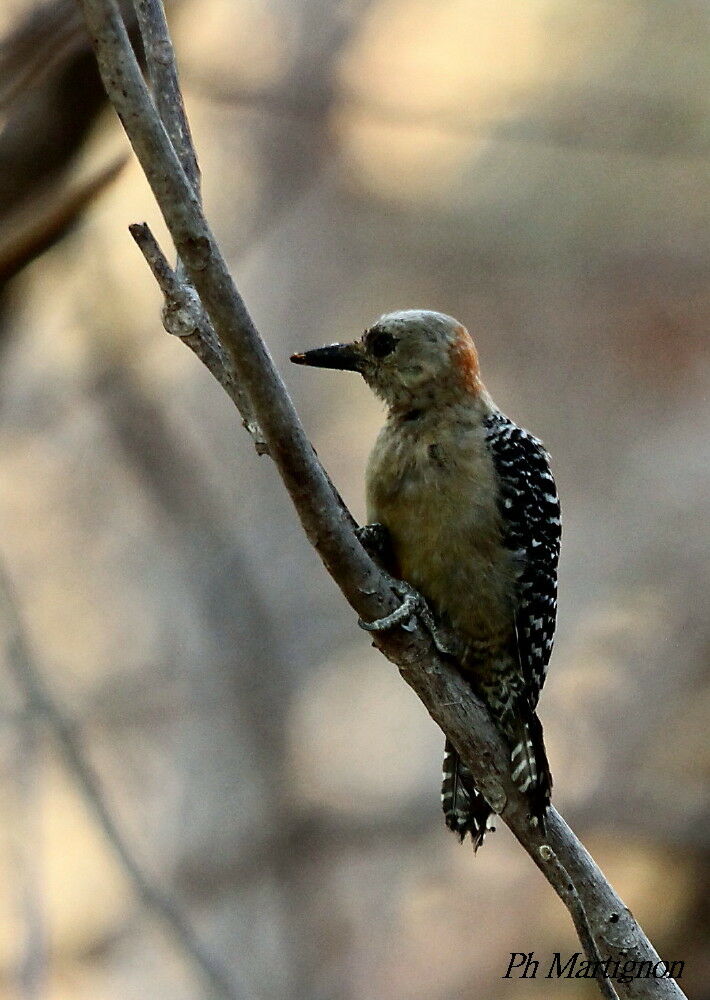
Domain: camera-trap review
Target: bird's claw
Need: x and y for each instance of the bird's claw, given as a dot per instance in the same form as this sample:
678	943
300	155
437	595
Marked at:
414	606
411	605
375	540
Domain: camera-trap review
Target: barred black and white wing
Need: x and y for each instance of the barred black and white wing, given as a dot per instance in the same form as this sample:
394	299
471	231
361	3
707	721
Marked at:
530	510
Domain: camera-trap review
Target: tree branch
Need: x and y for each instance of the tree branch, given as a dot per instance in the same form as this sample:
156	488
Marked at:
162	72
184	317
329	526
579	916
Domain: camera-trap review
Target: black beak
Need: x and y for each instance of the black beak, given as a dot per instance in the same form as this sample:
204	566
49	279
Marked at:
343	356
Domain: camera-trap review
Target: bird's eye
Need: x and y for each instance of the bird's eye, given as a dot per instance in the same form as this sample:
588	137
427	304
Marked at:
381	344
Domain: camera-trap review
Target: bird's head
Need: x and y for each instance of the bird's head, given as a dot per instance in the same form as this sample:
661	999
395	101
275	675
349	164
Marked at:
415	358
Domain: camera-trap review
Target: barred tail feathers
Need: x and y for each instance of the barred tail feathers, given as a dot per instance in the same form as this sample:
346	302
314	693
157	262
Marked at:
465	809
528	760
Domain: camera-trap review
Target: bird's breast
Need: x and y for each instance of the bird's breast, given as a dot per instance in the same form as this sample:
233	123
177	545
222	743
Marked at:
436	492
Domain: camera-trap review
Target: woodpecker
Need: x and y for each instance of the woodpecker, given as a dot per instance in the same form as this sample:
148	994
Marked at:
472	521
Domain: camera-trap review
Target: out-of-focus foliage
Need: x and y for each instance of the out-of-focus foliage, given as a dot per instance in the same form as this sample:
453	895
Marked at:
538	169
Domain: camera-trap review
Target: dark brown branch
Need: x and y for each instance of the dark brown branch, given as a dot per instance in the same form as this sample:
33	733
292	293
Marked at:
329	526
40	701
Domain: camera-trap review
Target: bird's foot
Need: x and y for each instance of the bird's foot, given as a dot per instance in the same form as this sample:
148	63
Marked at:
375	540
412	603
414	607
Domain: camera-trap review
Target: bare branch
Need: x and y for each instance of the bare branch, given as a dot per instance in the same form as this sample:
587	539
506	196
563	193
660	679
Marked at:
581	921
184	317
325	523
183	314
28	677
162	72
329	526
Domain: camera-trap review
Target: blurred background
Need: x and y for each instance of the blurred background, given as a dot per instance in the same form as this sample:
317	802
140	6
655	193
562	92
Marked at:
203	764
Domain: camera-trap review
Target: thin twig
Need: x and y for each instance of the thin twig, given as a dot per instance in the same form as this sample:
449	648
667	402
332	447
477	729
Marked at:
29	678
329	526
184	317
163	76
326	525
165	87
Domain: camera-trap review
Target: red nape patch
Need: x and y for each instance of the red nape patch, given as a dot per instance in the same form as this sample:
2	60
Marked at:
465	360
